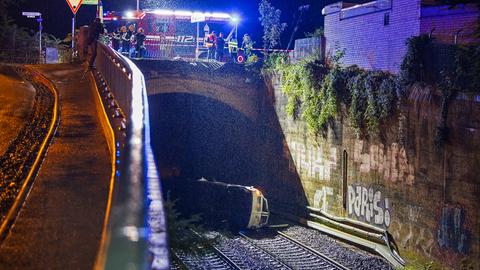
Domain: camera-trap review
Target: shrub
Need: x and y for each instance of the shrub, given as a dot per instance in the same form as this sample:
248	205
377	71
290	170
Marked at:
413	67
315	93
299	82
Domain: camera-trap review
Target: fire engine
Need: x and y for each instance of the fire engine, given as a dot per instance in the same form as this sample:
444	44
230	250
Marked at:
176	33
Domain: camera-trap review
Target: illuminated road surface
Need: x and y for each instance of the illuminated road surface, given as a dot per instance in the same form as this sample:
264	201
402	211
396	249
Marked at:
59	226
16	99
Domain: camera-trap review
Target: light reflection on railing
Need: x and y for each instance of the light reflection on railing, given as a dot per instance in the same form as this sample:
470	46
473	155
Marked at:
136	228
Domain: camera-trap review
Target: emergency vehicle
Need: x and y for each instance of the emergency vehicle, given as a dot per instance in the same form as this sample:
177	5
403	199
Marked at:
177	33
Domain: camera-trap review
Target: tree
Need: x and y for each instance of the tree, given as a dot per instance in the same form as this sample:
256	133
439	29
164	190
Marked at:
17	44
4	5
270	21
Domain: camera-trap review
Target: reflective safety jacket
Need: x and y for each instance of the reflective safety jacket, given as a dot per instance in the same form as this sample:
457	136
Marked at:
233	46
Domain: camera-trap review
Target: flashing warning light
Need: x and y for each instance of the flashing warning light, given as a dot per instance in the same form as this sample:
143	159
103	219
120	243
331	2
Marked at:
194	16
186	13
235	19
129	15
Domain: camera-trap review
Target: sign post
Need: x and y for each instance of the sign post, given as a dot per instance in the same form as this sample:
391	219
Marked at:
74	6
197	18
90	2
73	34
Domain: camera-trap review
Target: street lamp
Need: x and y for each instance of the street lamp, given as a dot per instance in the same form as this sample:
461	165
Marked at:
37	15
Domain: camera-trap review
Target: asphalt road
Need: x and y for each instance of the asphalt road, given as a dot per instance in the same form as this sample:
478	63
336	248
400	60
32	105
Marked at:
16	102
59	226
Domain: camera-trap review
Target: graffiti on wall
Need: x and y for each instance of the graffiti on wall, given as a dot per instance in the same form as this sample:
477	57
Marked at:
452	233
413	212
368	205
313	161
322	197
413	235
390	162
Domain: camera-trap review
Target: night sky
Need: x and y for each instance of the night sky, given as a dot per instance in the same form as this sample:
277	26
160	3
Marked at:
57	14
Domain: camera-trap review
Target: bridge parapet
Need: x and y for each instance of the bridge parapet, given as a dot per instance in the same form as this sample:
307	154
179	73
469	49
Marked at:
135	233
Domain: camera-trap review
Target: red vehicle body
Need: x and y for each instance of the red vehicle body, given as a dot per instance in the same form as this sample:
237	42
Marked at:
171	34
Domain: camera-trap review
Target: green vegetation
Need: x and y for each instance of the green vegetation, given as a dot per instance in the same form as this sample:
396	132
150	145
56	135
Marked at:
270	21
413	67
180	235
315	92
317	89
317	33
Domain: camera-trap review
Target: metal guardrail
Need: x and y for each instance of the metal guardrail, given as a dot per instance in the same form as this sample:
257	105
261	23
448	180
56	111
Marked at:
136	229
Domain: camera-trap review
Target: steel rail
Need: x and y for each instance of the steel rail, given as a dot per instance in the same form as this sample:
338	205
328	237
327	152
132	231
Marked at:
222	255
226	259
316	252
306	248
250	240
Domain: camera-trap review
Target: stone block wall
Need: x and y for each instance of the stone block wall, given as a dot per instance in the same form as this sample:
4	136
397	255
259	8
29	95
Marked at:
426	197
446	21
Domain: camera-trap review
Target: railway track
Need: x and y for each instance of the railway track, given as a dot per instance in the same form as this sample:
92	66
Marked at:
246	255
213	258
266	250
290	252
210	260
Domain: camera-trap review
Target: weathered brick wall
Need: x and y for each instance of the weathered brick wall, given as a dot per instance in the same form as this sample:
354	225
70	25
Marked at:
368	42
446	21
425	196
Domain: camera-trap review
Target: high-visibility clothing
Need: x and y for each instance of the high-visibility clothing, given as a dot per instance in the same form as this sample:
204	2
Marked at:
233	46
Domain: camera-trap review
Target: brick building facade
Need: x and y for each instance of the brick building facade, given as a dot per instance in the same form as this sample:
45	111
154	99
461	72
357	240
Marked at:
374	34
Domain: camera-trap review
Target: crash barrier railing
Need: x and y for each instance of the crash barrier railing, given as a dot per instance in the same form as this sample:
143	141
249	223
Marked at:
135	234
360	233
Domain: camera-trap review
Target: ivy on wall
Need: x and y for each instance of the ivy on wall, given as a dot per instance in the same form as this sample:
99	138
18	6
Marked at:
315	91
316	88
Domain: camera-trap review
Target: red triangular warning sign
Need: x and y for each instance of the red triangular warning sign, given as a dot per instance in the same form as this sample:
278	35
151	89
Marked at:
74	5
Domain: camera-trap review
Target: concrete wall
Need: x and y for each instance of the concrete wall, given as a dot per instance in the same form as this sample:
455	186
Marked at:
426	197
368	42
446	21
